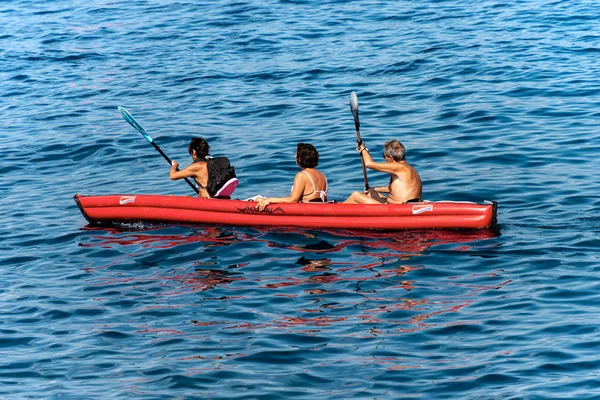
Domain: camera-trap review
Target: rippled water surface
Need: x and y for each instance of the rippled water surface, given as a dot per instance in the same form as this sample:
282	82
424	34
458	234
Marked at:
493	100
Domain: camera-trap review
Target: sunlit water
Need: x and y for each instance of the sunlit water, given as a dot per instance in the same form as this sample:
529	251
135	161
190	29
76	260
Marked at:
493	100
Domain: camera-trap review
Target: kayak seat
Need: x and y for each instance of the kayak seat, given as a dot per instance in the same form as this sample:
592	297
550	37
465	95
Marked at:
227	189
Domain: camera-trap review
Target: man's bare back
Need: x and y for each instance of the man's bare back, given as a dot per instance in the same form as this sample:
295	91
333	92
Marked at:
405	184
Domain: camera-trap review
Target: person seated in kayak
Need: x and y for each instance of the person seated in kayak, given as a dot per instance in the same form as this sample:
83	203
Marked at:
405	183
198	149
310	184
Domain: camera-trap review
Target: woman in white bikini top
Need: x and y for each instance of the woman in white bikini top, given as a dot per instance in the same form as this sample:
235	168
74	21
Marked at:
307	158
322	193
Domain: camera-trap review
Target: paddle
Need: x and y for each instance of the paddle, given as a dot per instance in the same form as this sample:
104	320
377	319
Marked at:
129	118
354	109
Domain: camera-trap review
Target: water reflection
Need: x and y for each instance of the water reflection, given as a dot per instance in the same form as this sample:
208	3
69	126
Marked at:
364	283
413	241
152	237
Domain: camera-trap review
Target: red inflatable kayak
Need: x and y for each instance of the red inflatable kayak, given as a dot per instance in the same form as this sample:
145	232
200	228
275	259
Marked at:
115	209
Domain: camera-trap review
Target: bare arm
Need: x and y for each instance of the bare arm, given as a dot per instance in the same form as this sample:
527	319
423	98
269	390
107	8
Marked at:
383	189
196	171
187	172
294	197
390	168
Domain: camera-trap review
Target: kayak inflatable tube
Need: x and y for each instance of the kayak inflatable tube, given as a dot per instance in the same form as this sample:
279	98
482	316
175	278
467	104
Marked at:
132	208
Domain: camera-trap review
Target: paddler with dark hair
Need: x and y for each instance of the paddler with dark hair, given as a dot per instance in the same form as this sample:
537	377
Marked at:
214	176
198	169
405	183
310	184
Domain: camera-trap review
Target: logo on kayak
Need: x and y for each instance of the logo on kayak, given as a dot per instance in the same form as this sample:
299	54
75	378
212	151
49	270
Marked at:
254	210
422	209
126	199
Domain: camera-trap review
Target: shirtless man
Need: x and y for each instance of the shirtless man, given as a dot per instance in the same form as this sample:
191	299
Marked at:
405	183
198	149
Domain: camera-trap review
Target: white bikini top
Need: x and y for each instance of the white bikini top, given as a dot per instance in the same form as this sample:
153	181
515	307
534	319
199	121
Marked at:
322	193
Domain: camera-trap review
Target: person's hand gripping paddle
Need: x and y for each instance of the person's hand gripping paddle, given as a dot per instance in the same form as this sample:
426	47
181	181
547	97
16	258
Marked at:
354	109
129	118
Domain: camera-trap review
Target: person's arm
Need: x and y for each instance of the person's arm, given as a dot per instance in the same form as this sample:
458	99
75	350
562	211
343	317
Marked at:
390	168
193	170
368	160
175	174
364	153
383	189
294	197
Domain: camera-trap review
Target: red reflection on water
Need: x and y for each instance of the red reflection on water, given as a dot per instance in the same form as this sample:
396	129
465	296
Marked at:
161	330
330	277
401	367
204	323
201	280
249	326
218	357
418	241
289	296
411	242
212	235
480	288
317	265
316	321
380	246
319	291
420	318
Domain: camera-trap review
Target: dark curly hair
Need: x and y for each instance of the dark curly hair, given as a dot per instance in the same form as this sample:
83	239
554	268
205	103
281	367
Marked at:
307	156
200	145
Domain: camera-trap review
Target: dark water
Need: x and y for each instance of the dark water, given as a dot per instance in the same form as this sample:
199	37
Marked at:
493	100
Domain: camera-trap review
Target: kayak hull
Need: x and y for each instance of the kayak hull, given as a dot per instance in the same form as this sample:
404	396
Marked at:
122	208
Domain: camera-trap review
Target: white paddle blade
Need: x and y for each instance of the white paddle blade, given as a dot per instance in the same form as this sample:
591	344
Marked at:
353	102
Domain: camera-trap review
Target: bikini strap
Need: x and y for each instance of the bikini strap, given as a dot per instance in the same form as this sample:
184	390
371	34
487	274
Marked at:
311	181
322	193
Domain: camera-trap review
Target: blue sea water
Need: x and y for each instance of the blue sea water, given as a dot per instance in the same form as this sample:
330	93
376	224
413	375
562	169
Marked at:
494	100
